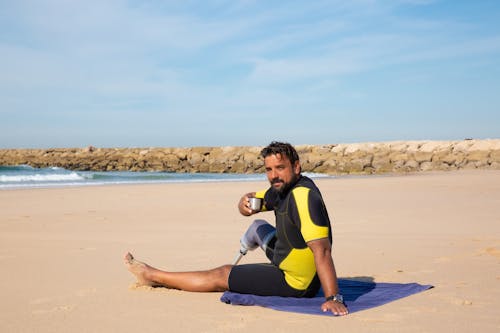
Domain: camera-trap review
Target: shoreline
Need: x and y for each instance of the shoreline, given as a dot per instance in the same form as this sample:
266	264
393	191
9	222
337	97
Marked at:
315	177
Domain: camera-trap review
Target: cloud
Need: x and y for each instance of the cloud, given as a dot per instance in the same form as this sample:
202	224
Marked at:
112	46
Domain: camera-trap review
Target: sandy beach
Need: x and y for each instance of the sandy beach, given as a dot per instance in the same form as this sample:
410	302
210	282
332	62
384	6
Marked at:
61	254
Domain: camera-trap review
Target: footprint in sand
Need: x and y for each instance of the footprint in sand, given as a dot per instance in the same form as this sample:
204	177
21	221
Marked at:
458	301
40	301
60	308
138	286
88	248
47	307
493	251
440	260
85	292
46	304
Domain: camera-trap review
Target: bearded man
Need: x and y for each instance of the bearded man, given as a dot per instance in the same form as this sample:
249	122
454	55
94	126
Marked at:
299	247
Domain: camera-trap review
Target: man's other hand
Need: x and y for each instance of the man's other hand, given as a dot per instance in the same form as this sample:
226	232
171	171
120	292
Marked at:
338	309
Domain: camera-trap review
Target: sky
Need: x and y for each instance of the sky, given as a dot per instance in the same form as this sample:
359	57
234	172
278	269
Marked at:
243	73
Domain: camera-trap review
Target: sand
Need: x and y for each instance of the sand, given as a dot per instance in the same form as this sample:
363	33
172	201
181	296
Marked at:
61	255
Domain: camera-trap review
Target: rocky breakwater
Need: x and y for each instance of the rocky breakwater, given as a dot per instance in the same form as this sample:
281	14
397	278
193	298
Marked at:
356	158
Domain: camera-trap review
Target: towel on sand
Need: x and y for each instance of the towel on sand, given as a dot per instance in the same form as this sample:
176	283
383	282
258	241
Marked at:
358	295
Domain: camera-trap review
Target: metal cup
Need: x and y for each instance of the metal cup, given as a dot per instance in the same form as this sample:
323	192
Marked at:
255	204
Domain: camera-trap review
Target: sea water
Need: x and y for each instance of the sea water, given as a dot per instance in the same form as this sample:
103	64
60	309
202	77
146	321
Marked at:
24	176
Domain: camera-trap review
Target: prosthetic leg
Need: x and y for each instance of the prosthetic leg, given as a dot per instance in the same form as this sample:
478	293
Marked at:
259	234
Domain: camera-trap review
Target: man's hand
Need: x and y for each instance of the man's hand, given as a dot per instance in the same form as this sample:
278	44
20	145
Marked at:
338	309
244	205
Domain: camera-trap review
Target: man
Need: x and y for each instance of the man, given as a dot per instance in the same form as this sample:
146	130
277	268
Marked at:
299	248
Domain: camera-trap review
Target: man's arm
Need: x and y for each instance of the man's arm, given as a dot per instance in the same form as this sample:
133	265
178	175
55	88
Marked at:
322	251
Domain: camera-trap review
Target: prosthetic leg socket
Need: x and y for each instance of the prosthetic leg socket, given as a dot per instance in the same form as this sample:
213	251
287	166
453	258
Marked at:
258	235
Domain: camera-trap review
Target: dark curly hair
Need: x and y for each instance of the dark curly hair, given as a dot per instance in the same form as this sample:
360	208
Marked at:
282	148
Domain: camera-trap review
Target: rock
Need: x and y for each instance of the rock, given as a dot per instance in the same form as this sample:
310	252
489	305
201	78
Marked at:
433	146
495	156
89	149
477	155
339	149
462	146
411	165
195	158
382	164
422	156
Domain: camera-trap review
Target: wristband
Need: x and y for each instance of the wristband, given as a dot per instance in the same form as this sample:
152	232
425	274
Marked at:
336	298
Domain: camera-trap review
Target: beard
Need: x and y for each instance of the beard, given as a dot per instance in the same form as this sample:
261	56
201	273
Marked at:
285	186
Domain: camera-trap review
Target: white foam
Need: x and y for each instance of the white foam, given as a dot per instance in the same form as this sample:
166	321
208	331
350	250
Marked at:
316	175
41	178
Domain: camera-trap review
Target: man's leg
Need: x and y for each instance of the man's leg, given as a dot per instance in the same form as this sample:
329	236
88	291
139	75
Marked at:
201	281
260	234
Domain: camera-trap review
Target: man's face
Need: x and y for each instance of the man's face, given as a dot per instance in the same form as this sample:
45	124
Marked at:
280	172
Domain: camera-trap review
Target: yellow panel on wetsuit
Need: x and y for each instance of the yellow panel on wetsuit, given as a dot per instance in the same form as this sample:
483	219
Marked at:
308	229
299	268
261	195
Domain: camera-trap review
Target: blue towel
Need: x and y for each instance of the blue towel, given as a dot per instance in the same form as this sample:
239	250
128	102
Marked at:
358	295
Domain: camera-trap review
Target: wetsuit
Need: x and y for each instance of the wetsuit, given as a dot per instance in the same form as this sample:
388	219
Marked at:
301	217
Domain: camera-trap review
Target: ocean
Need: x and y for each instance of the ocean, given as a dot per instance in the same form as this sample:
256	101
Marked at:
24	176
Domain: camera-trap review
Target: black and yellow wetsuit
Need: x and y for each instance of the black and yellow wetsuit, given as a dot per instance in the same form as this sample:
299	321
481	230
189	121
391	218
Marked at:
301	216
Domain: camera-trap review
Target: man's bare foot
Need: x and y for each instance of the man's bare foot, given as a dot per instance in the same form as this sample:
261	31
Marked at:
139	269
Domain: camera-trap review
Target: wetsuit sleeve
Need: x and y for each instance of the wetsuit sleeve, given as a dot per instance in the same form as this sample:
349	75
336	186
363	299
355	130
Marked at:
313	219
269	199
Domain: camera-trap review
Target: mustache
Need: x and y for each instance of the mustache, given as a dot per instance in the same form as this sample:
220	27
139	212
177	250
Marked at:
276	180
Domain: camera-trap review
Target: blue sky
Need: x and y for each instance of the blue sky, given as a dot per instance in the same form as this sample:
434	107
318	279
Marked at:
216	73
